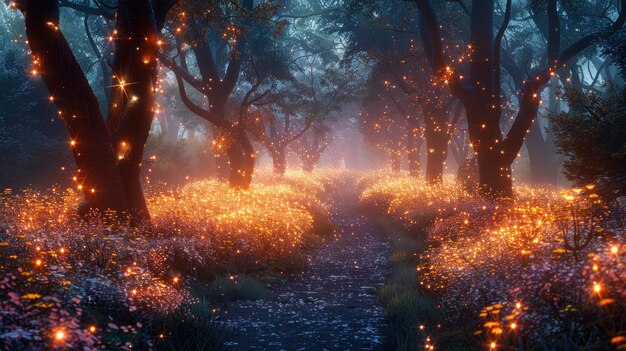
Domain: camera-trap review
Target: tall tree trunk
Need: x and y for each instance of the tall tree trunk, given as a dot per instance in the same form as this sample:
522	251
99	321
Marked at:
308	166
222	168
413	145
481	93
495	177
494	167
279	160
131	108
396	162
437	138
98	176
241	159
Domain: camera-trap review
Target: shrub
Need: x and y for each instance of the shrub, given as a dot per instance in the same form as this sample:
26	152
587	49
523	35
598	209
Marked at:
593	139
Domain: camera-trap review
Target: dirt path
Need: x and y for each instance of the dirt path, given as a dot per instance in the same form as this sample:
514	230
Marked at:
333	306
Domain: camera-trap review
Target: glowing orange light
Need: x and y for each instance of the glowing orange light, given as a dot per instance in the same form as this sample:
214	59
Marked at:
597	287
59	335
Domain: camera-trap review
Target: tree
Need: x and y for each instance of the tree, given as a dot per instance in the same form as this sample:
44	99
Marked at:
593	139
219	57
108	154
271	103
481	91
391	125
518	52
390	39
312	145
274	129
323	85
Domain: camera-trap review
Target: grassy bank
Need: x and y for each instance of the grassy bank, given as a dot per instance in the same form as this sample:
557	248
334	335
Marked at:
543	271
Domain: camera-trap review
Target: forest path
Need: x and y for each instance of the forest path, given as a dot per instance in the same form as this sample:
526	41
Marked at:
332	306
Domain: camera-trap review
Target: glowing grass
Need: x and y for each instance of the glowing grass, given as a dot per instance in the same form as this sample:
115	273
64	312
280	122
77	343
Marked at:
53	263
556	252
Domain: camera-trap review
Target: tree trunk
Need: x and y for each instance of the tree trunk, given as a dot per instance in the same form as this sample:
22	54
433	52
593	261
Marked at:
279	160
494	167
437	140
241	160
131	108
97	176
413	152
494	176
396	162
434	167
222	168
308	166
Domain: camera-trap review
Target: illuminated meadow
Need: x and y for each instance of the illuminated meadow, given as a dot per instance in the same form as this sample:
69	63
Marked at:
546	268
99	283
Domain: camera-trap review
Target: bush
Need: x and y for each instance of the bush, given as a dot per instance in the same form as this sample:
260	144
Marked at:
543	269
593	139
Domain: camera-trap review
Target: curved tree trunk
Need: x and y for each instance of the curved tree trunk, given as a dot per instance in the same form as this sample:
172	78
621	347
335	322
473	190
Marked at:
396	162
279	160
413	152
222	168
308	166
241	160
437	138
131	109
98	176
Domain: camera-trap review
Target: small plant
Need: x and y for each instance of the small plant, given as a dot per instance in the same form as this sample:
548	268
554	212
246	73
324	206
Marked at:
578	220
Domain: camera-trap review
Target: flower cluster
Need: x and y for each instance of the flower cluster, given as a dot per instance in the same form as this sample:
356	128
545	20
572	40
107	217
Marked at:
66	281
557	253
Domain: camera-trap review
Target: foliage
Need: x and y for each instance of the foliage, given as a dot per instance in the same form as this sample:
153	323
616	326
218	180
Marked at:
615	47
593	139
31	149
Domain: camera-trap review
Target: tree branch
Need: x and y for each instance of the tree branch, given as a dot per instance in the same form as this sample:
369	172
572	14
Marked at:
498	48
183	73
583	43
96	11
200	112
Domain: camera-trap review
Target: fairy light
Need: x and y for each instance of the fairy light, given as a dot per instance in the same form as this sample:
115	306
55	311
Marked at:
59	335
596	287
